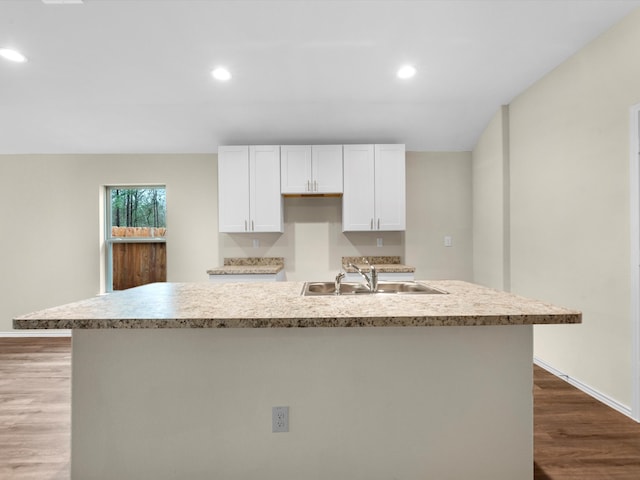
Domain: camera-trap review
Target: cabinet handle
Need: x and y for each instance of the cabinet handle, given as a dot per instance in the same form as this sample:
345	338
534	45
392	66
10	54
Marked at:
308	186
315	185
378	223
252	227
372	224
245	225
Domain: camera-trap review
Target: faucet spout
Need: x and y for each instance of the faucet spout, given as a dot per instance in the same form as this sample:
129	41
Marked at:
371	280
338	282
373	276
374	279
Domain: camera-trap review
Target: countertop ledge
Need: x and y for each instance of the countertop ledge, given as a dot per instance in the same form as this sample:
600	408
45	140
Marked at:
280	305
389	264
382	268
249	266
246	270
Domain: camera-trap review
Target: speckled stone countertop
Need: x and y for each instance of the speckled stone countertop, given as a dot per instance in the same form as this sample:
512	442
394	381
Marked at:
249	266
280	305
390	264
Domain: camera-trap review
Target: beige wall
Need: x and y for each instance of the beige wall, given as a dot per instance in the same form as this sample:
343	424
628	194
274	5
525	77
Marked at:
569	174
51	233
439	204
491	265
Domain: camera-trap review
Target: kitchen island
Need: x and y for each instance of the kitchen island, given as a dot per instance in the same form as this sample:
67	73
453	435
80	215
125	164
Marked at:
178	381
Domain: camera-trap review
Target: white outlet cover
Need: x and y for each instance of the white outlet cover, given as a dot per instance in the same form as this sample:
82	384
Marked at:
280	419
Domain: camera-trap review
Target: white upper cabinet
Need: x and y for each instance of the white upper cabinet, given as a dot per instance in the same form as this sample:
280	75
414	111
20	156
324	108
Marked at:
265	200
374	188
249	197
233	188
295	168
326	168
311	169
358	209
390	181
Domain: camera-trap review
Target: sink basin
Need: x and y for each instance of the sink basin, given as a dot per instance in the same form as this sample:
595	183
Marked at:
407	287
328	288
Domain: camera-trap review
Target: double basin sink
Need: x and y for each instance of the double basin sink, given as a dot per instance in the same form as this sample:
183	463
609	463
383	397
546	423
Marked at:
329	288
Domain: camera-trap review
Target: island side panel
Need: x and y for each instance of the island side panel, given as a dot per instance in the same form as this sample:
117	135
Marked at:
364	403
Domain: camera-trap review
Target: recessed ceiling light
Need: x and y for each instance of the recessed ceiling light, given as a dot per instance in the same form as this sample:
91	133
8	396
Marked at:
12	55
407	71
221	74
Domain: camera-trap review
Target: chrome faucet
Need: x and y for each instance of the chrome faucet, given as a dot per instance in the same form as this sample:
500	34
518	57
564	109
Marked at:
374	278
371	280
338	282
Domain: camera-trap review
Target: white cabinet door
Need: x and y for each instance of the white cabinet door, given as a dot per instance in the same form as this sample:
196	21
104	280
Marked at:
295	164
264	185
374	188
249	197
326	168
358	199
390	187
307	169
233	189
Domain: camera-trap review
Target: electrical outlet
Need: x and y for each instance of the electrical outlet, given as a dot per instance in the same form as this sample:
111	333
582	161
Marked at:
280	419
379	242
256	243
448	241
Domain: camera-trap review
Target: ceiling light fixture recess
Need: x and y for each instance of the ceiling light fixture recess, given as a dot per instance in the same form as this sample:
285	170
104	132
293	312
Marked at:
407	71
12	55
221	74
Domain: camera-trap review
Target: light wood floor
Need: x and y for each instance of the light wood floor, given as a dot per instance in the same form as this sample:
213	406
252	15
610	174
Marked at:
576	437
35	408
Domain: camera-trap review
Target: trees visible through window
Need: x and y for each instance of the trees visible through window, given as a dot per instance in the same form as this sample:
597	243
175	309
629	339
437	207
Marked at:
135	236
141	207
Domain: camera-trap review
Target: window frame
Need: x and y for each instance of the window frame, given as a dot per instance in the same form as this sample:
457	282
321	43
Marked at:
110	240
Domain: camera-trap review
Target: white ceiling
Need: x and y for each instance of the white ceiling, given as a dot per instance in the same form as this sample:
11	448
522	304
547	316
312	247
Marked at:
130	76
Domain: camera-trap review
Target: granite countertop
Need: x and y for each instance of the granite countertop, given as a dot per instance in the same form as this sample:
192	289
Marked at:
249	266
280	305
389	264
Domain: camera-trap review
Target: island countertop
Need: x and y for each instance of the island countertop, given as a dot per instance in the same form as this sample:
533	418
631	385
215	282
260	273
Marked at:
281	305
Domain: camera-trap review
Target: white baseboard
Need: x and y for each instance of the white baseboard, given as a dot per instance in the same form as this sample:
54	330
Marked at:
592	392
36	333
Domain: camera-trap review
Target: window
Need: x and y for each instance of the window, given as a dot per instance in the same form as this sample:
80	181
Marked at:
135	236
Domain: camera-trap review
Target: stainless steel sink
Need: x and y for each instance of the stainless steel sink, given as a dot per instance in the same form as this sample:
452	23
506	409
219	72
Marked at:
406	287
328	288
